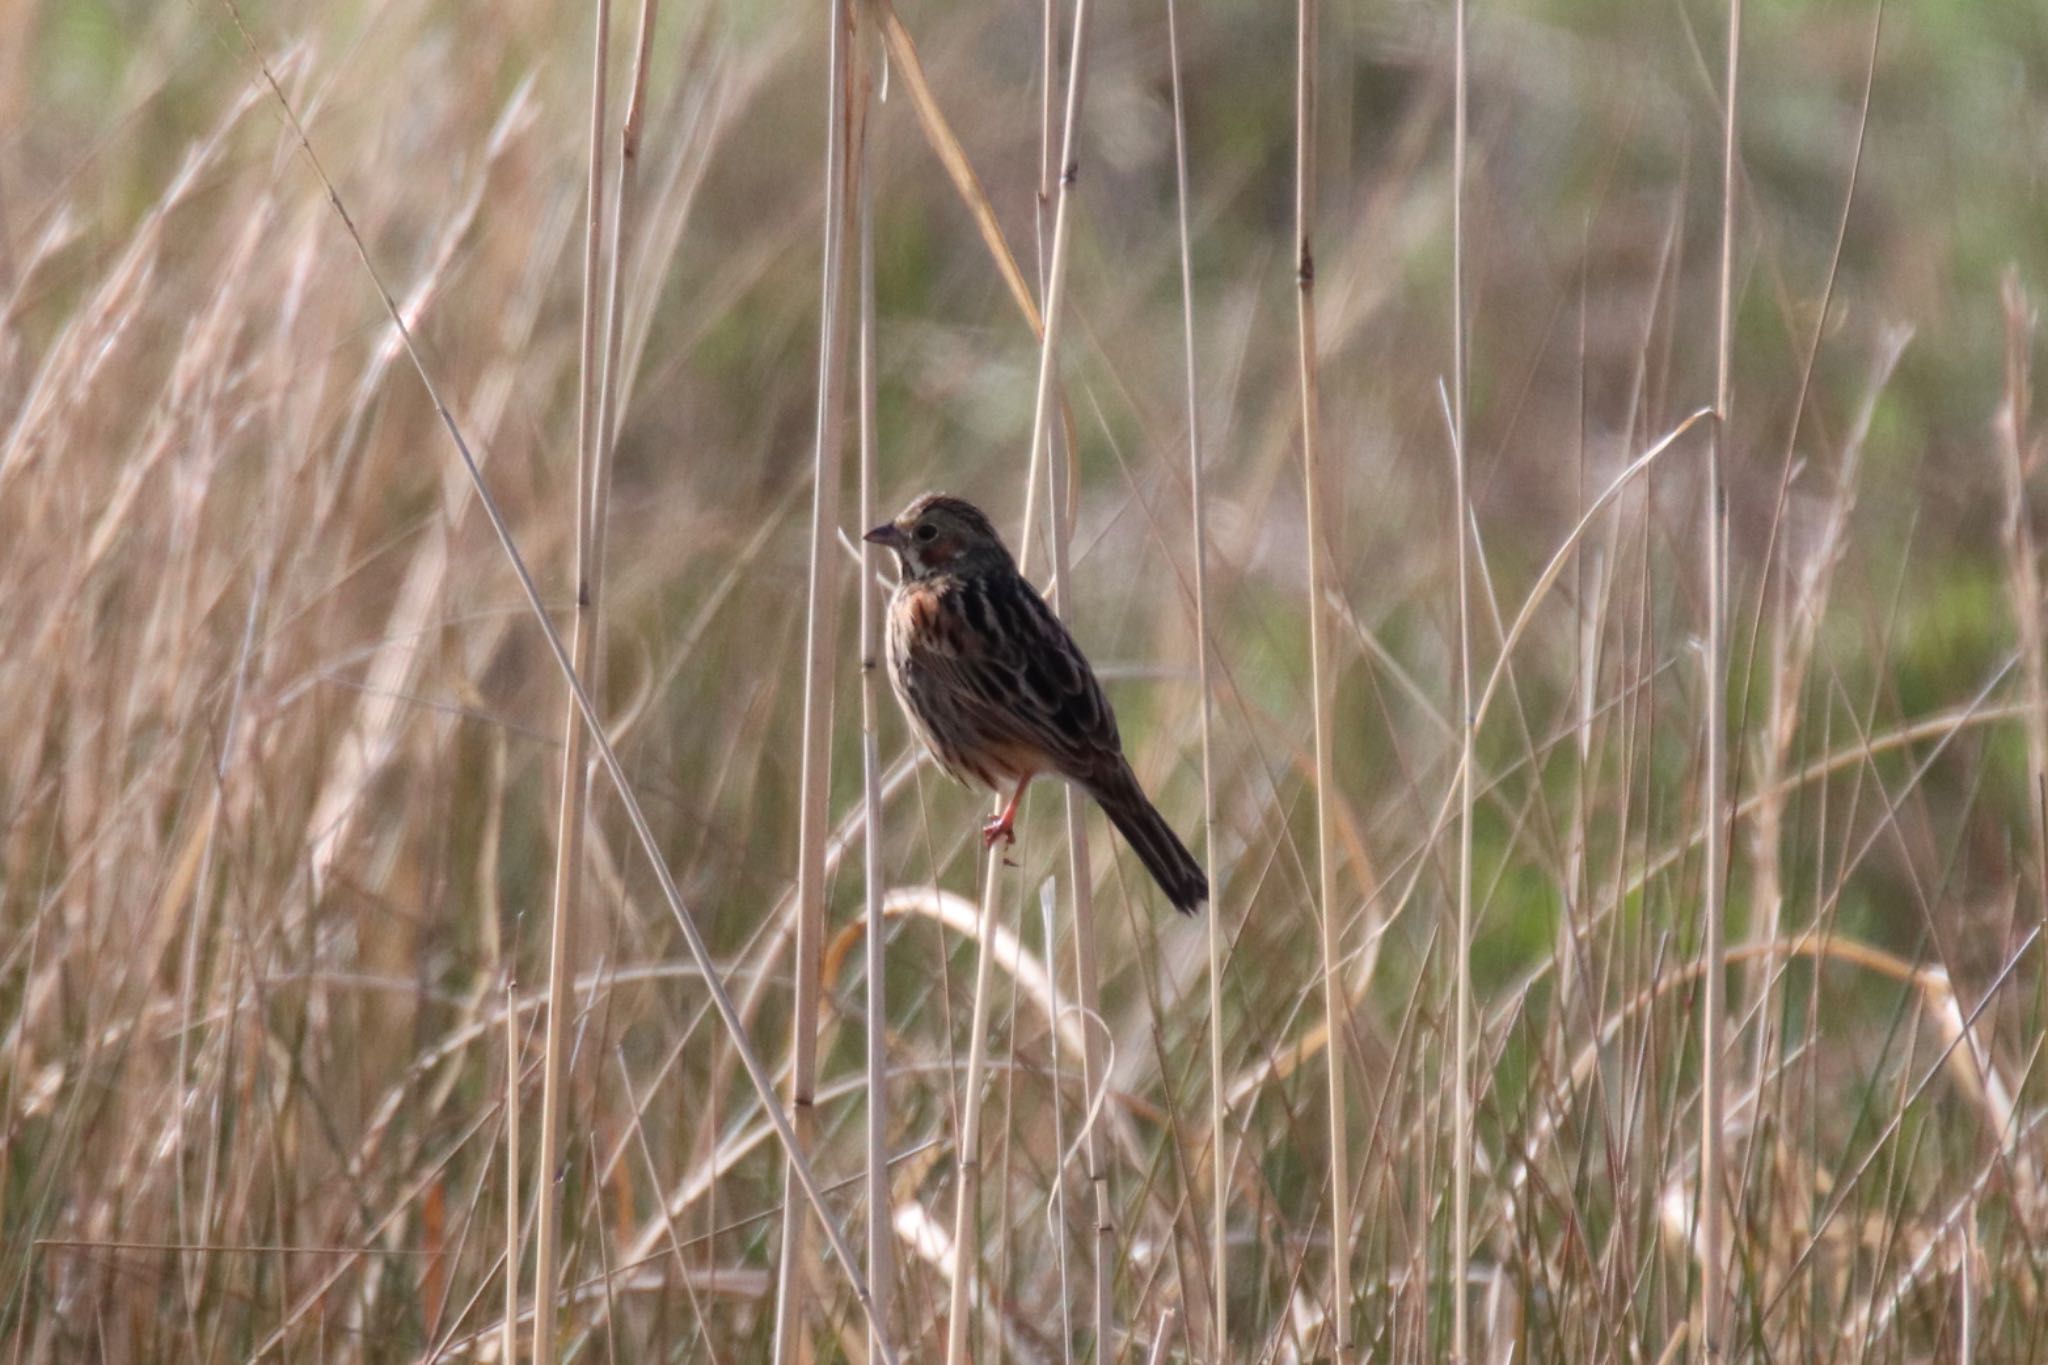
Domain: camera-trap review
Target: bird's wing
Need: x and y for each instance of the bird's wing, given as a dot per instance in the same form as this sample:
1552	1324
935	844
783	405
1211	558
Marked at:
1016	668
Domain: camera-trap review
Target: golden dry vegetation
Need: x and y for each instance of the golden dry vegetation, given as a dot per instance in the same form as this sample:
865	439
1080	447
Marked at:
283	785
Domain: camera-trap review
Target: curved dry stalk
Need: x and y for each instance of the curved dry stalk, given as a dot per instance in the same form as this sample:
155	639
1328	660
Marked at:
1974	1074
928	1240
1957	1030
945	144
1029	975
1162	1338
1873	1318
1032	978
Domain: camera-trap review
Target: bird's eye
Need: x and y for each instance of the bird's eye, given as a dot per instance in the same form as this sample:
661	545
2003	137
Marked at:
927	532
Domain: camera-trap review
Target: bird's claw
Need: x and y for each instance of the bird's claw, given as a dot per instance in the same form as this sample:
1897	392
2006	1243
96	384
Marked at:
998	828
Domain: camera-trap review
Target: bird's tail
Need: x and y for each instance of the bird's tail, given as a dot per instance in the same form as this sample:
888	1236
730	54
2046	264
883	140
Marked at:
1152	839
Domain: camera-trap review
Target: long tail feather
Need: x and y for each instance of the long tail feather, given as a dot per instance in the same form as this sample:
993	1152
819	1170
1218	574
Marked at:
1152	839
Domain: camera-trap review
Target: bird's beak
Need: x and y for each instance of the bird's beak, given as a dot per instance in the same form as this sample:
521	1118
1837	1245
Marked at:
885	535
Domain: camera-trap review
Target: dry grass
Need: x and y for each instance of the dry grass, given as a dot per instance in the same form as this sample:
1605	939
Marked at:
282	797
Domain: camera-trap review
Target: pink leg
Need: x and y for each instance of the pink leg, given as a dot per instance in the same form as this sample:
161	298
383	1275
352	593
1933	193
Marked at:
1004	826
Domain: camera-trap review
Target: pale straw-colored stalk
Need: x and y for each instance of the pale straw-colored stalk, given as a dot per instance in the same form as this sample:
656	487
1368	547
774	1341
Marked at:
575	780
624	204
1461	1038
967	1152
967	1193
508	1341
1087	966
1048	918
880	1235
1804	583
1713	804
599	410
969	1157
1048	181
1799	588
1162	1338
1219	1208
821	619
2020	454
1334	999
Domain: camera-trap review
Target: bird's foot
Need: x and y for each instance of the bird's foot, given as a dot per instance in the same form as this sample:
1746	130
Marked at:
1002	827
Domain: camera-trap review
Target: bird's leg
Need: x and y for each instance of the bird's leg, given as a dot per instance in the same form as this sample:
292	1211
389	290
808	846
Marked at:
1004	826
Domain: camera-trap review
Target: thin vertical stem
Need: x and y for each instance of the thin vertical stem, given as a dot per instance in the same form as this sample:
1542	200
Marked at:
1087	978
575	781
967	1154
1220	1173
1162	1338
968	1158
1319	675
1461	1044
875	945
2023	582
622	221
1087	973
1048	905
1048	104
1047	197
821	619
1055	285
1048	194
1199	512
1713	1021
508	1341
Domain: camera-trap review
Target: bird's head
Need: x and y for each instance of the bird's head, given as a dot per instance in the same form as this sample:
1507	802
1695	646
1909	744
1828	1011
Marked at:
940	533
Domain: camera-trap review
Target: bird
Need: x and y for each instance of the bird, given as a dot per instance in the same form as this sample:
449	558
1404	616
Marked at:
995	687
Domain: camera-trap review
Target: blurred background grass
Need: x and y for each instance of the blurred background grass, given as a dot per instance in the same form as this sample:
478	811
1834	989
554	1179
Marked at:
281	788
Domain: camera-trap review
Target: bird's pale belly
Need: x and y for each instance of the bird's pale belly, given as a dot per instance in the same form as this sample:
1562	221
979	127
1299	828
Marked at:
962	749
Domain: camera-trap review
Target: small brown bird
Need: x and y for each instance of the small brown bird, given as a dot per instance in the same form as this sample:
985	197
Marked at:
998	690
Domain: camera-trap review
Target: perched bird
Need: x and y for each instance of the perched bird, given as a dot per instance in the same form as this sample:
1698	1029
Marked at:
998	690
